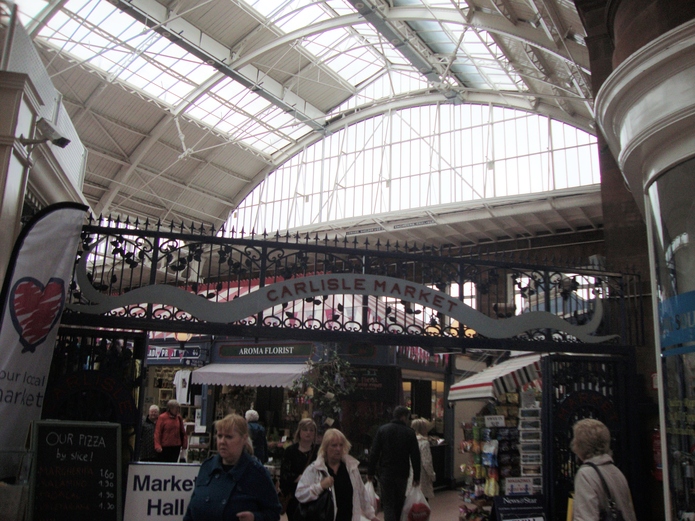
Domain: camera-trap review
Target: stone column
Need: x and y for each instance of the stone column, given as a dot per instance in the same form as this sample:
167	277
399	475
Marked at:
18	108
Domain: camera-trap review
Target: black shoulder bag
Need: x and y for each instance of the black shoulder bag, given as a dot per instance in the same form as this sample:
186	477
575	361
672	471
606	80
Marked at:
613	513
321	509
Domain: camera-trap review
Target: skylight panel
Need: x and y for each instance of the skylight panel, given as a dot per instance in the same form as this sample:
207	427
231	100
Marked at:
299	15
108	39
29	10
345	54
389	84
246	117
293	14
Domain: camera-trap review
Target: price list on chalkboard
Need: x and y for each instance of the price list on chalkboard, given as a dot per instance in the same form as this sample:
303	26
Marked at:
76	472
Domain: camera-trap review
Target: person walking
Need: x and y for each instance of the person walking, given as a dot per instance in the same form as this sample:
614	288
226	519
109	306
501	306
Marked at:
257	435
334	468
591	444
295	460
147	450
427	475
170	434
394	450
232	484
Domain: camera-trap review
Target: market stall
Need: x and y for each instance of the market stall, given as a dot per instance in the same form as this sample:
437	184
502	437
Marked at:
499	436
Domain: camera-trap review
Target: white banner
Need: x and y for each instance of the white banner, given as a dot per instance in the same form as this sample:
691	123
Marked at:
159	491
33	297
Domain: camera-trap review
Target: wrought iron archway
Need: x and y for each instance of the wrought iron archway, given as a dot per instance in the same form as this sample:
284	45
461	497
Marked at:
140	276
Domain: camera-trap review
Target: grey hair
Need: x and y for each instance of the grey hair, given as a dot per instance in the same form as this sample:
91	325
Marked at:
251	416
590	438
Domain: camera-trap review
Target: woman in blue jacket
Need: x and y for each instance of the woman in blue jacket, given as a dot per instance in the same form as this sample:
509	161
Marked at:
232	484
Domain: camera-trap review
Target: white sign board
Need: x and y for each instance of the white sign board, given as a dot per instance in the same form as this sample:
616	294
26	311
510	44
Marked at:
159	491
494	421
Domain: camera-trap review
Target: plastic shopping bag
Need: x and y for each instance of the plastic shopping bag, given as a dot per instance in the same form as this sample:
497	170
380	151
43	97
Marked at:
371	495
416	507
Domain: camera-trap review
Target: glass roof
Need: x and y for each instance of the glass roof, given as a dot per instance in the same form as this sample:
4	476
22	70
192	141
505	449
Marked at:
101	36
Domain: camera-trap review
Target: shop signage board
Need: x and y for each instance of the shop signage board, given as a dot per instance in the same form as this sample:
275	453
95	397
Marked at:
519	508
263	351
76	472
173	353
375	383
496	420
159	491
677	320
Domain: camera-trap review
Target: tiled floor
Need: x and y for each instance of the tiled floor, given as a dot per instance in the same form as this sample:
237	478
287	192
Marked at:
445	506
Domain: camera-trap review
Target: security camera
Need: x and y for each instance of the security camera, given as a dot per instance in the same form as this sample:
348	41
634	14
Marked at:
50	133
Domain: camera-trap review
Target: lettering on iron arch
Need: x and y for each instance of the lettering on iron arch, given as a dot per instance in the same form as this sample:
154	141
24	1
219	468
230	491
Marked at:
332	284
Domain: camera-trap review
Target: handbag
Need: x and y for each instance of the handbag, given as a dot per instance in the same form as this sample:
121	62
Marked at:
613	513
321	509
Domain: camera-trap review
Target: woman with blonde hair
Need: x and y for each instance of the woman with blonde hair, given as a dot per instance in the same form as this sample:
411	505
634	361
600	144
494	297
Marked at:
295	460
591	443
233	484
422	427
334	468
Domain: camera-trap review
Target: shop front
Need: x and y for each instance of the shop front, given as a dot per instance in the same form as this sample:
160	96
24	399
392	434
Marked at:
424	384
170	363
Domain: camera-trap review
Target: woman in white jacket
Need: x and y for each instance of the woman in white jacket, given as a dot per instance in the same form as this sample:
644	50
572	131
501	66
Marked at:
334	468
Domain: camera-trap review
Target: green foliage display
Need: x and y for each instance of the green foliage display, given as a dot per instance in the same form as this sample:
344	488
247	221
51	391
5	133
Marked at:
331	379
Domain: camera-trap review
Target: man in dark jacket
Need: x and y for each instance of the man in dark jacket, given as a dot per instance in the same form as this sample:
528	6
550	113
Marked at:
257	435
393	451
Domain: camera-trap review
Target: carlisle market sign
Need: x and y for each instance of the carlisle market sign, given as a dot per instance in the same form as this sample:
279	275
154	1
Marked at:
333	284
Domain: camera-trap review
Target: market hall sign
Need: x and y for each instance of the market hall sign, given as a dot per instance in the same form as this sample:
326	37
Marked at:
159	491
335	284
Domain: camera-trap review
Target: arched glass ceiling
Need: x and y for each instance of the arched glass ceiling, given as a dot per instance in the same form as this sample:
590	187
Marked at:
421	157
270	77
370	68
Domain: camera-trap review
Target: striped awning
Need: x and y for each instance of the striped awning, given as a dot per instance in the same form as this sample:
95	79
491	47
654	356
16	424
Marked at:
507	377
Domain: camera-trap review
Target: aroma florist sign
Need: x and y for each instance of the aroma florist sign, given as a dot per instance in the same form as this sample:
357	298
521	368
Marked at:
337	284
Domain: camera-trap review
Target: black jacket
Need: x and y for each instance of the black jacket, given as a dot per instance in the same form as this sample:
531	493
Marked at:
393	450
259	441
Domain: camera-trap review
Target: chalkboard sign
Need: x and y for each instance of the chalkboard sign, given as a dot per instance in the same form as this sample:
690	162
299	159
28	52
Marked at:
76	472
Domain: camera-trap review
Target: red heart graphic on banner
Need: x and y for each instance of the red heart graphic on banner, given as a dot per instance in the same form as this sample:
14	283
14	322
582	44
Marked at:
35	309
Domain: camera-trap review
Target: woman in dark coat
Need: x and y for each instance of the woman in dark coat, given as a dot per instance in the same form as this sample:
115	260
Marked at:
232	484
296	458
